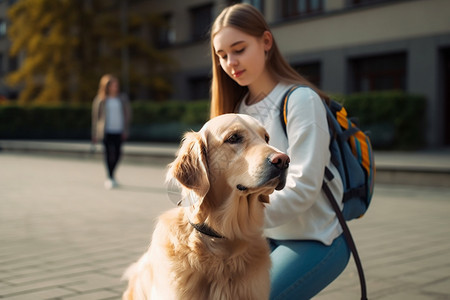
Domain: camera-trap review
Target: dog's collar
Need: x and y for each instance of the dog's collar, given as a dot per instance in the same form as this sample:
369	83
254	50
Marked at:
205	229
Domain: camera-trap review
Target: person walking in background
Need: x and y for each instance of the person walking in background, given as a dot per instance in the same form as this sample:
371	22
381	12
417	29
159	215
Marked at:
111	116
250	76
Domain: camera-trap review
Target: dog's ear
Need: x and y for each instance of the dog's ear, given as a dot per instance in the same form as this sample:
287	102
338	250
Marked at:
190	167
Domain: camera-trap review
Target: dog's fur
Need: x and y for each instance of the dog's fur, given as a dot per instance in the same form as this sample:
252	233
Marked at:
230	170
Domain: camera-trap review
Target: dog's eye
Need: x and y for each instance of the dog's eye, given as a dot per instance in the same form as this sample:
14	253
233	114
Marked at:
266	137
234	139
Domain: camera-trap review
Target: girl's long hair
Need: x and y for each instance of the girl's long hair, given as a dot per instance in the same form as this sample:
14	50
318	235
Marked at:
225	92
104	84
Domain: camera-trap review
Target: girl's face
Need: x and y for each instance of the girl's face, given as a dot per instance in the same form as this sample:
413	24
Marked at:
242	56
113	88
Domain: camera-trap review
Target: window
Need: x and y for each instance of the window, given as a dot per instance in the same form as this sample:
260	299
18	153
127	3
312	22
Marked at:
165	31
300	8
364	2
310	71
199	87
3	28
259	4
109	4
2	71
231	2
13	64
201	19
387	72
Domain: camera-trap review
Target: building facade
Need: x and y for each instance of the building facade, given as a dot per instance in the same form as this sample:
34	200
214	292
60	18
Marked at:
343	46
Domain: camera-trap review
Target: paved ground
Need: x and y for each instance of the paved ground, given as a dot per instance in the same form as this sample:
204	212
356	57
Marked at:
63	236
425	168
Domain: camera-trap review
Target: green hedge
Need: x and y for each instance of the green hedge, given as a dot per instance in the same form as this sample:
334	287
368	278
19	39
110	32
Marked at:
167	122
186	112
163	122
395	119
45	122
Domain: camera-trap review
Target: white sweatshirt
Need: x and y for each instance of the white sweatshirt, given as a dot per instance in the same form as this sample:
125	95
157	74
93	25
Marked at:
114	116
301	211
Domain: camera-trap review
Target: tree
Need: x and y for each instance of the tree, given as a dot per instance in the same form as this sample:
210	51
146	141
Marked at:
69	44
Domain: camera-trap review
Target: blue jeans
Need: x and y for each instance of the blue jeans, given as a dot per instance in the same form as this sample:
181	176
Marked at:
301	269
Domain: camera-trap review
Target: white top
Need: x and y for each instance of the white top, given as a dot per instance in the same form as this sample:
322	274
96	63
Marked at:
301	211
114	116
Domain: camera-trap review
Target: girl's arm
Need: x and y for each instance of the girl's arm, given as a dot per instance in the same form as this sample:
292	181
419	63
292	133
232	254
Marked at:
308	149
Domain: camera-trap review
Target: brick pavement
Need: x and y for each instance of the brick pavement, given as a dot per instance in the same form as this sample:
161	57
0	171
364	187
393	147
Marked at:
404	245
62	236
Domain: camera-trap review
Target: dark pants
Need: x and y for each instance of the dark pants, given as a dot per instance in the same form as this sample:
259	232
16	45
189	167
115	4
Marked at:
113	145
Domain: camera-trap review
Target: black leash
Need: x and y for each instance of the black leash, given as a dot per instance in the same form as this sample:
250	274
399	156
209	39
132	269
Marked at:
348	237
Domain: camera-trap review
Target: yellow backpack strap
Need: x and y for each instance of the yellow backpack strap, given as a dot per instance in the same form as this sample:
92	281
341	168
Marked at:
284	106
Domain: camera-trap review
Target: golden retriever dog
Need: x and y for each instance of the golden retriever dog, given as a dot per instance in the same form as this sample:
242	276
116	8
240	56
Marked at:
214	248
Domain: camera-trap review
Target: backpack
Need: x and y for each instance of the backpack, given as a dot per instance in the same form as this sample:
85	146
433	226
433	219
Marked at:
351	153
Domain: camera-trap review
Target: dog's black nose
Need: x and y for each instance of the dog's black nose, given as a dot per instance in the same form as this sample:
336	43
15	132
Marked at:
280	161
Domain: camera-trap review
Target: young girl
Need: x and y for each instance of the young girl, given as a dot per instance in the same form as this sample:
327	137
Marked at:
111	116
250	76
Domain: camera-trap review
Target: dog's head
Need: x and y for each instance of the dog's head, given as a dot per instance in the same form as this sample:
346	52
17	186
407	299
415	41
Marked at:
230	155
